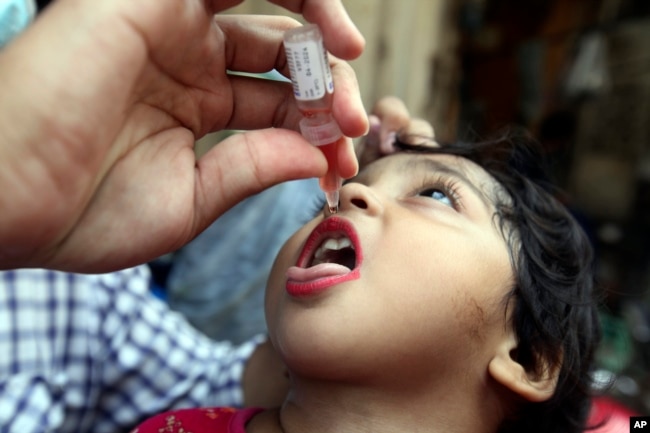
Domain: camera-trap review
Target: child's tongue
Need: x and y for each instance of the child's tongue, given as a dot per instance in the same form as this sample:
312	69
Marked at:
322	270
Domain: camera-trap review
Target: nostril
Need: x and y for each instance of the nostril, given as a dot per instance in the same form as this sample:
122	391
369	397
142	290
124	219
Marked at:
361	204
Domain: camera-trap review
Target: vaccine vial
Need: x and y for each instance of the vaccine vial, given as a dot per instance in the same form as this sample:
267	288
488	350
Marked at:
313	88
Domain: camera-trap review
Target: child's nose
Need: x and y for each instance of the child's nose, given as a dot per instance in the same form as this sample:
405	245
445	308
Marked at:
356	196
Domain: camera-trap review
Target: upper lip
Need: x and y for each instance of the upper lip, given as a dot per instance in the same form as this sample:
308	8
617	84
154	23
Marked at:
331	228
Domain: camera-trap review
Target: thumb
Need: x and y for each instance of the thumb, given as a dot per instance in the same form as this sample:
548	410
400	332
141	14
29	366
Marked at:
247	163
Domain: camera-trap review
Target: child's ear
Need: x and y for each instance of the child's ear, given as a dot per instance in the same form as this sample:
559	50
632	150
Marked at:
505	369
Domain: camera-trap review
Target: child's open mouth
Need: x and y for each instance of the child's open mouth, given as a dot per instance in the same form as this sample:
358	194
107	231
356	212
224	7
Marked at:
335	250
330	256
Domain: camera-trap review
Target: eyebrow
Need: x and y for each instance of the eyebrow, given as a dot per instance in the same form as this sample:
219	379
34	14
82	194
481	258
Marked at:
432	165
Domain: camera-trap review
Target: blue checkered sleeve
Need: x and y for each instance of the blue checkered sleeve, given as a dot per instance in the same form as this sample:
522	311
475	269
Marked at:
99	353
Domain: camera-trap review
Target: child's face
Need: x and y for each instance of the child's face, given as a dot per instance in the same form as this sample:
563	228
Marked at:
431	270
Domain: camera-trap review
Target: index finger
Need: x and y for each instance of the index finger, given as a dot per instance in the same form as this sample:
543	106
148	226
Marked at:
341	36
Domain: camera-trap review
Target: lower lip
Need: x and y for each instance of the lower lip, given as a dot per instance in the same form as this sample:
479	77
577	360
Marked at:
304	289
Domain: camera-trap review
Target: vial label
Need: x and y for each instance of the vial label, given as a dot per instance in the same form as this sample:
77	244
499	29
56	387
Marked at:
310	71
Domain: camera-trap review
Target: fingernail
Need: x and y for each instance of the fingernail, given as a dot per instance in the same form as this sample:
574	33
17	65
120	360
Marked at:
387	145
375	124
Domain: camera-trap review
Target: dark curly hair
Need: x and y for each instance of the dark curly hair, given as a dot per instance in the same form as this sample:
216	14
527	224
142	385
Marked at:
555	313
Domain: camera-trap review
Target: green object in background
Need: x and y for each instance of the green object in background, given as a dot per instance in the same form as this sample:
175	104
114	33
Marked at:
616	350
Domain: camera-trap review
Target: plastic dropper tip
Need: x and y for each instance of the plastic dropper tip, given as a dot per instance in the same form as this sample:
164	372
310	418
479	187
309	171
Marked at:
332	200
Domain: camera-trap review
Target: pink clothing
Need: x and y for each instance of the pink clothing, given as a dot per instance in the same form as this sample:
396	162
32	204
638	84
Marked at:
203	420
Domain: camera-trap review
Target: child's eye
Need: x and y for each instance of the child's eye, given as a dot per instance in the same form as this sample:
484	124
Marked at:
441	189
439	195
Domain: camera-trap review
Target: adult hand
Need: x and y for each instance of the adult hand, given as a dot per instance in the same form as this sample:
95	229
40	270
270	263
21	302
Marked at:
390	117
102	102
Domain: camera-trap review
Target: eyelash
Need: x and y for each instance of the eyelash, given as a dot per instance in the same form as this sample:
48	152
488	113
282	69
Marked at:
448	186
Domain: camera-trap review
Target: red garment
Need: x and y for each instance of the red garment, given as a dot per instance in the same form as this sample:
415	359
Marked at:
203	420
610	415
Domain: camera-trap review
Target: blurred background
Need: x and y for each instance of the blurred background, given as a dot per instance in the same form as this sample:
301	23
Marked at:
574	73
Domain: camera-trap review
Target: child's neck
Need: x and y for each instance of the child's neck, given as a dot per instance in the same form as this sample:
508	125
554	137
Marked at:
324	407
